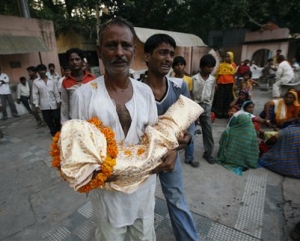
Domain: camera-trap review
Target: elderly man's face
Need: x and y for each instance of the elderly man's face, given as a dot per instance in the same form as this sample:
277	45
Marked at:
117	49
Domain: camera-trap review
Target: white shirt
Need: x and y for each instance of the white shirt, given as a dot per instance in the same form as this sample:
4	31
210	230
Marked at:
59	84
55	77
203	90
4	88
92	99
44	95
23	90
284	72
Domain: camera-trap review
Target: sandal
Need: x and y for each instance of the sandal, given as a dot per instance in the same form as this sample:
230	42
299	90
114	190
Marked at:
193	163
295	233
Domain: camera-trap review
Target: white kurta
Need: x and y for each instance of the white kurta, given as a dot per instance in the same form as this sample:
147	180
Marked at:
4	87
93	100
203	90
285	72
45	95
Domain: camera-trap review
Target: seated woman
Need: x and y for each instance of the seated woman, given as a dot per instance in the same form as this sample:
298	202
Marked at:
282	112
237	103
247	108
284	157
239	146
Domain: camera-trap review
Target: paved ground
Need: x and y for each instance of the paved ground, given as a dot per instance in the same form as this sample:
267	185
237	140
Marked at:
35	204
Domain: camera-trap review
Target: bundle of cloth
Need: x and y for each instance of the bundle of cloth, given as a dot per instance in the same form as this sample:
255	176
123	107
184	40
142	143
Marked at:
83	148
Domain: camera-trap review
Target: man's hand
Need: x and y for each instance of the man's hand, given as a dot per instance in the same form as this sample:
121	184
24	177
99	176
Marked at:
183	140
168	164
112	178
281	123
18	101
58	104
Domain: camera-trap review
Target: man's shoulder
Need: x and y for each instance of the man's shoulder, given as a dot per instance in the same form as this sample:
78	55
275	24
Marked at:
178	86
211	78
142	87
91	85
196	76
199	77
284	64
177	82
36	80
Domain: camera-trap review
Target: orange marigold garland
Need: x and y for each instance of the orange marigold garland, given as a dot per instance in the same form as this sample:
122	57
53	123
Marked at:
140	151
107	165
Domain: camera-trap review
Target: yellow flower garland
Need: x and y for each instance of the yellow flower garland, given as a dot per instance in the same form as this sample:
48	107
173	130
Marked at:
107	165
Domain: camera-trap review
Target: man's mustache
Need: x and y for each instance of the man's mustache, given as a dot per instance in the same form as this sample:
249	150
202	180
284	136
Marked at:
119	60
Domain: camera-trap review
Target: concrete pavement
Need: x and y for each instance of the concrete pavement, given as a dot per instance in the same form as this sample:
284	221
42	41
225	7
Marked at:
35	204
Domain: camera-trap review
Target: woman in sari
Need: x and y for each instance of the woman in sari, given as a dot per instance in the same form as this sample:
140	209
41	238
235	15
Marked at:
238	149
247	108
282	112
225	77
284	157
237	103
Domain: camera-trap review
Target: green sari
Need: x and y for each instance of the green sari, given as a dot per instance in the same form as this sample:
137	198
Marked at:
239	145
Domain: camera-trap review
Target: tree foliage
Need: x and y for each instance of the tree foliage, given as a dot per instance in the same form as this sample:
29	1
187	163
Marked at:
190	16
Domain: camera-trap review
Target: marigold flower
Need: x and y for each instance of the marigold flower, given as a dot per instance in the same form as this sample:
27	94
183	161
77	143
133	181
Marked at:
140	151
127	152
107	165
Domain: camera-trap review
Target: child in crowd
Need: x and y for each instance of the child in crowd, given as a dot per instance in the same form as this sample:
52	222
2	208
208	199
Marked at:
178	66
237	103
204	85
247	83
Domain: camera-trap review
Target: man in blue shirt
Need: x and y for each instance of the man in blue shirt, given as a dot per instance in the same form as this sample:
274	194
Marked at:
159	54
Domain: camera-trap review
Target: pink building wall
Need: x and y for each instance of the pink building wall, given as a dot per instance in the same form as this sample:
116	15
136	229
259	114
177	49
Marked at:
17	26
268	35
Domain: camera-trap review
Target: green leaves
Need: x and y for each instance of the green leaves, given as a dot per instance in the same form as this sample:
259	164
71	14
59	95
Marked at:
191	16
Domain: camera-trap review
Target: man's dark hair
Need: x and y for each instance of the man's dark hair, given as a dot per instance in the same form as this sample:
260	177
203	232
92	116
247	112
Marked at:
178	60
41	67
155	40
22	78
79	52
32	68
115	21
207	60
51	65
280	58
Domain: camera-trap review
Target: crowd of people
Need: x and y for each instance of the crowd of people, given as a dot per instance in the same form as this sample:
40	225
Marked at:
46	93
249	140
270	140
